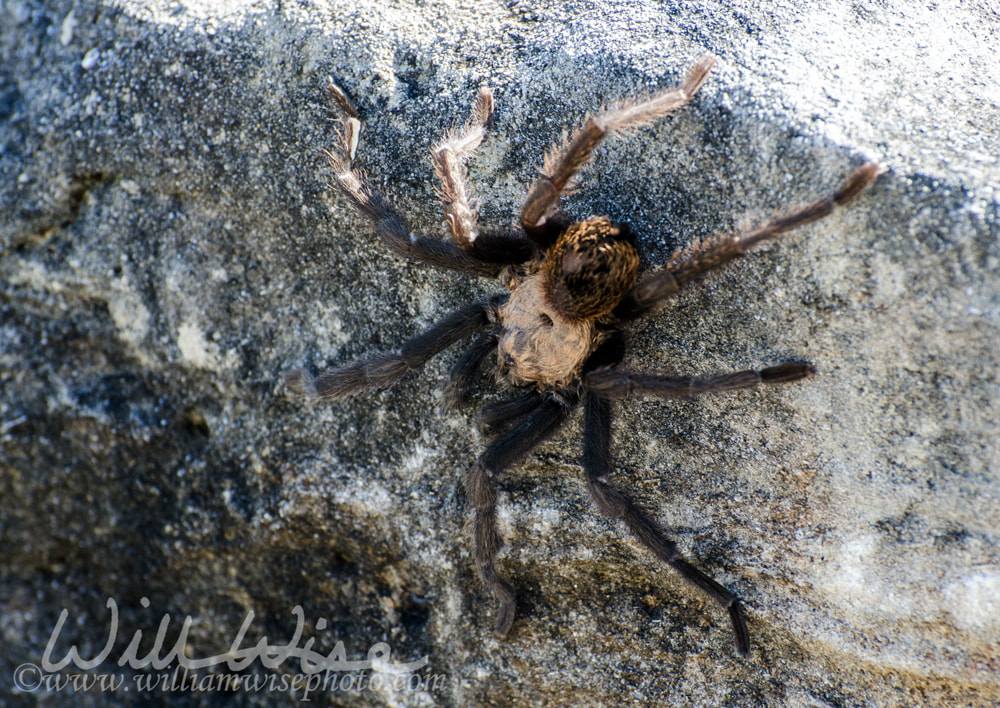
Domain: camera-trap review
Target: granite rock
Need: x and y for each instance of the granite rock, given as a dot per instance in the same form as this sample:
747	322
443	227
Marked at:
170	248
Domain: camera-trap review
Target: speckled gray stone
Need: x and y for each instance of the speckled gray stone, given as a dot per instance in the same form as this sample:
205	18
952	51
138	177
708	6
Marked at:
170	249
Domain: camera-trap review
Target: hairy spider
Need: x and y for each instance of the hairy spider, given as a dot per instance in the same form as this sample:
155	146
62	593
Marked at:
558	332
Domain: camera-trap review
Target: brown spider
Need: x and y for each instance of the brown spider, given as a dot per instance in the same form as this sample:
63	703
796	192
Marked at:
558	331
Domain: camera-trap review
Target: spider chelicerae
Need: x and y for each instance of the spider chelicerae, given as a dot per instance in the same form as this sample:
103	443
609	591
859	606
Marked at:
558	332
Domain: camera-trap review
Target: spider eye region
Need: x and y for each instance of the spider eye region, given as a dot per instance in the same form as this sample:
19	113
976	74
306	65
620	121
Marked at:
590	268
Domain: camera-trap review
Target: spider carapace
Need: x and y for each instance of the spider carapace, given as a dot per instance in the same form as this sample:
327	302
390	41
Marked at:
557	332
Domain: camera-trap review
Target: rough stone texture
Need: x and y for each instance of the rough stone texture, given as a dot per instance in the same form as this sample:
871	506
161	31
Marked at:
169	249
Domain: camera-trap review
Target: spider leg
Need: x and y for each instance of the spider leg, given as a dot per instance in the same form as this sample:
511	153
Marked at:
389	225
609	353
448	156
562	162
551	412
504	248
494	418
528	433
652	291
467	370
618	383
616	504
386	369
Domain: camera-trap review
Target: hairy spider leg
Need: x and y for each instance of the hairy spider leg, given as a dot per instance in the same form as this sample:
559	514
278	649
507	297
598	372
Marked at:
391	228
508	449
652	291
563	161
449	156
466	373
618	505
386	369
618	383
500	247
495	418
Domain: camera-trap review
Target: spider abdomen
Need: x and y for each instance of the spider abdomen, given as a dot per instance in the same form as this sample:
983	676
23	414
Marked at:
538	344
590	268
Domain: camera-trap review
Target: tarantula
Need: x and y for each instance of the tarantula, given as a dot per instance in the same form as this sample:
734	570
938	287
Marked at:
558	332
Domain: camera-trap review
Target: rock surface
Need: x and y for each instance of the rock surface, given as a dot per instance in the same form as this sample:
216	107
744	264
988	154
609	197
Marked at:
170	248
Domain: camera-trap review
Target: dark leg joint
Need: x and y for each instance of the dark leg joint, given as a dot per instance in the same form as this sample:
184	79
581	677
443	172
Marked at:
502	249
609	500
497	417
532	430
614	383
609	353
786	373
